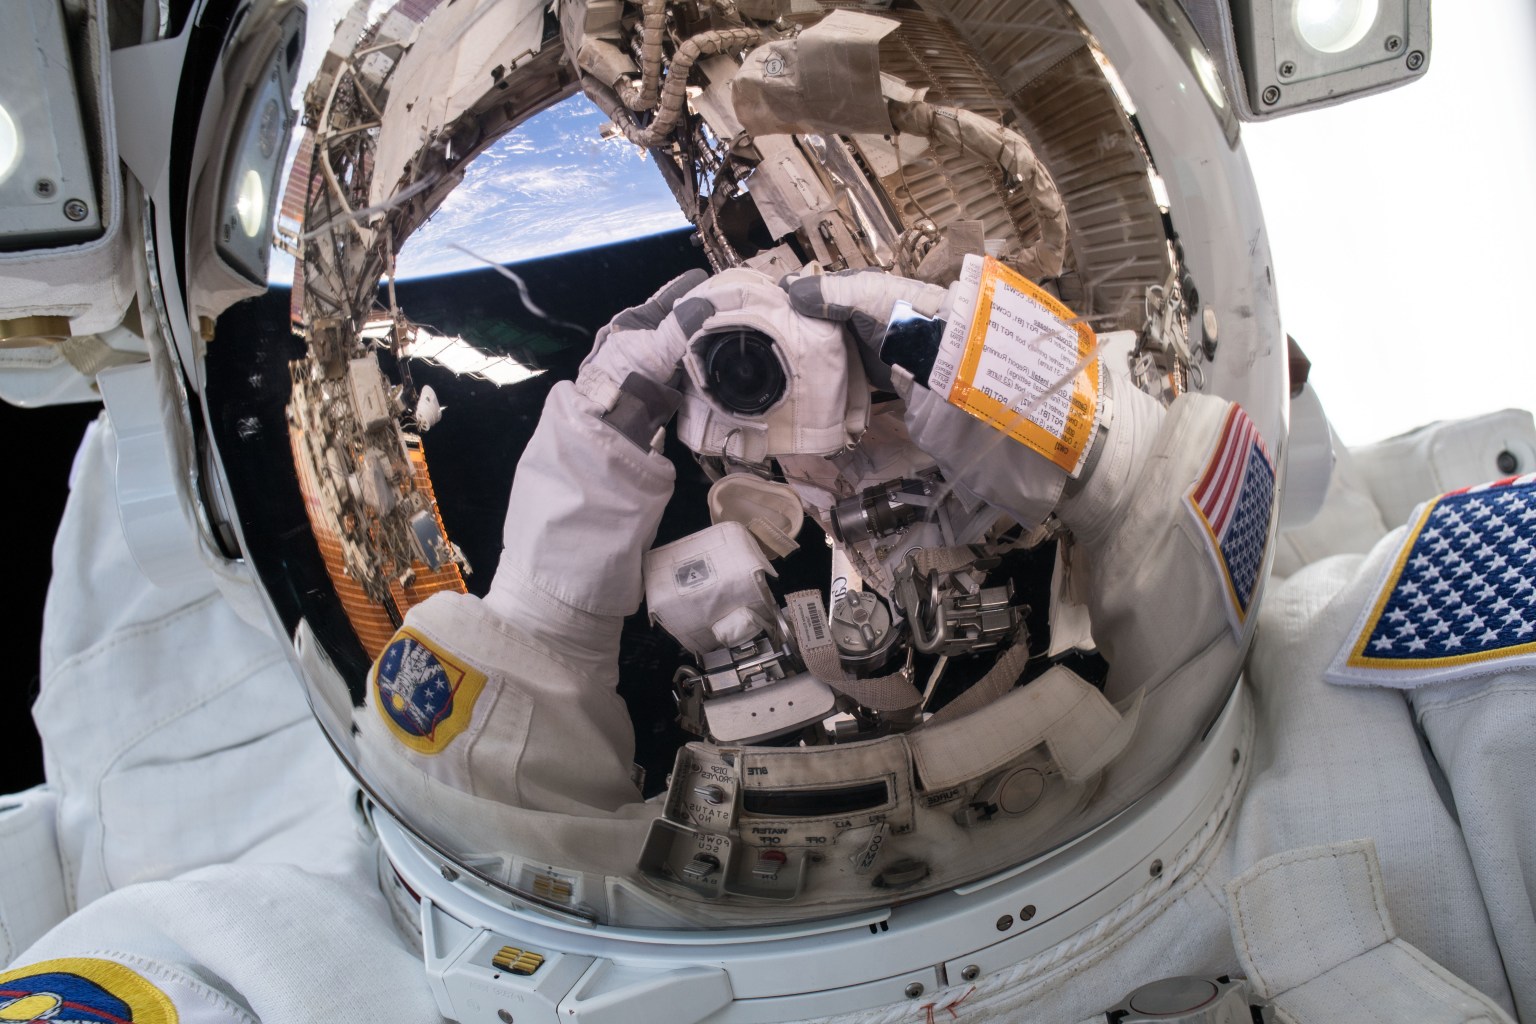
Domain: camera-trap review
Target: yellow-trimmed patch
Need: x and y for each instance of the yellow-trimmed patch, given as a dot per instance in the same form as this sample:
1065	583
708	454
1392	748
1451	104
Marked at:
82	989
1459	596
424	695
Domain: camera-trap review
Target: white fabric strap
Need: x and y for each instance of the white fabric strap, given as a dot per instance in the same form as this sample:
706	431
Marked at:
954	559
1314	937
772	511
776	543
1005	671
32	897
1082	730
595	383
808	620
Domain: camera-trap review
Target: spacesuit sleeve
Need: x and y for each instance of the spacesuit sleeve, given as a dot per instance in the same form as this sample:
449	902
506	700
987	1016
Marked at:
1441	611
585	506
514	698
175	734
1169	532
1480	734
1479	729
229	944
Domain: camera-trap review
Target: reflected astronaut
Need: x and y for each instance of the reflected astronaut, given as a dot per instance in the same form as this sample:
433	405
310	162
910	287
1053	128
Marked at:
986	400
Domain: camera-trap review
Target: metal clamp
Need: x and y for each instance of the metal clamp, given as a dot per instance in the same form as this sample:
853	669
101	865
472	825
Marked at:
947	619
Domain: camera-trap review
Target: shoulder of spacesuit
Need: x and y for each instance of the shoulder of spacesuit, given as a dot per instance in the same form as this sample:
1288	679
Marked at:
1212	464
1454	599
452	653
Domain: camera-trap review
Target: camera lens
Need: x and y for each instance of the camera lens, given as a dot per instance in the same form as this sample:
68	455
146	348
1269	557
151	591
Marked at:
741	371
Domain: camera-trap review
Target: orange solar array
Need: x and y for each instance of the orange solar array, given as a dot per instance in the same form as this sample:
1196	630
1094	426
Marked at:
428	581
291	216
368	618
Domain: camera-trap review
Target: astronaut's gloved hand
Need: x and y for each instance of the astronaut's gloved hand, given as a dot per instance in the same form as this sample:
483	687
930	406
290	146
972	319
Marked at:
977	459
632	370
862	300
647	339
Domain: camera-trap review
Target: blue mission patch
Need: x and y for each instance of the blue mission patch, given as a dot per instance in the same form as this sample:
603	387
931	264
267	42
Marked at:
61	997
425	695
1460	598
82	990
414	686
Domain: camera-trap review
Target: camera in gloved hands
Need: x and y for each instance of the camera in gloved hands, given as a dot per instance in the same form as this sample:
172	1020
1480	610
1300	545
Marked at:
757	380
765	381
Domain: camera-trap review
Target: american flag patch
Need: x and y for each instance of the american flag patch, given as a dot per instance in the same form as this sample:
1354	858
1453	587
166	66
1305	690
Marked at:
1460	597
1232	503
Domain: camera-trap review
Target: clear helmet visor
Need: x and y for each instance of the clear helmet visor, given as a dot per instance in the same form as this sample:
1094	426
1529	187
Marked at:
370	424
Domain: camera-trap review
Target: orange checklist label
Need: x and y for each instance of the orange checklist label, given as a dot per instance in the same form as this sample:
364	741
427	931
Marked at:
1029	367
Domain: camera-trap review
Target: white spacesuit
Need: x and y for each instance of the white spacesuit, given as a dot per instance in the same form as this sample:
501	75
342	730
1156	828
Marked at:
1374	898
1306	807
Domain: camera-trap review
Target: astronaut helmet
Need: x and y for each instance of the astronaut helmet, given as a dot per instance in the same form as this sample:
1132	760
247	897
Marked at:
861	688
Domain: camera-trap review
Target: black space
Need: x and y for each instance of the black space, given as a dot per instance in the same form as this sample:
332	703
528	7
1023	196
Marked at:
42	448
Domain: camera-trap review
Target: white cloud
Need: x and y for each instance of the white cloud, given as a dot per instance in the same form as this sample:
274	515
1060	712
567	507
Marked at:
547	181
516	143
551	186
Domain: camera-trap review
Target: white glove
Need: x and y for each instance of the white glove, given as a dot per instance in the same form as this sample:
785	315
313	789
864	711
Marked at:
862	301
645	339
976	458
635	369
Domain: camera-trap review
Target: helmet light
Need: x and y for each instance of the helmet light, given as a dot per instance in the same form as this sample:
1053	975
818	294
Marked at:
1296	54
48	194
1333	26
